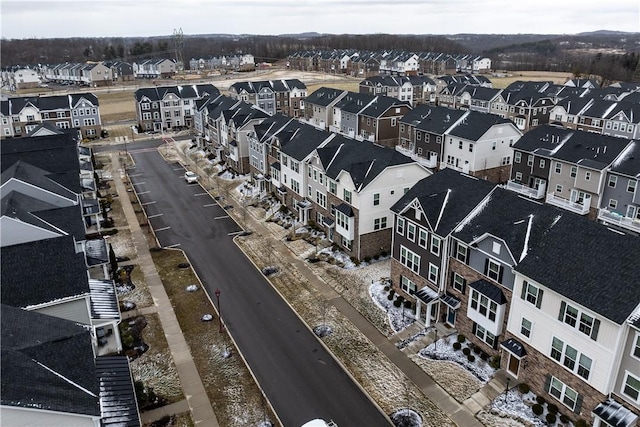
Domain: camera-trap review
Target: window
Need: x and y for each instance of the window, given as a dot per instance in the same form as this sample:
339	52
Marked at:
460	145
518	176
332	187
458	283
631	386
530	160
574	171
422	238
635	351
376	199
462	253
346	195
570	358
342	220
409	259
471	148
411	232
321	199
484	335
295	166
493	270
295	186
565	394
433	273
558	168
346	243
517	157
506	161
542	163
483	305
435	245
631	185
407	285
525	328
400	226
587	176
585	323
613	203
613	180
531	294
380	223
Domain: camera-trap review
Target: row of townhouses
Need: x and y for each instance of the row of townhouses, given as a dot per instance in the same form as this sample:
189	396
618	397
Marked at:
367	63
550	292
272	96
240	62
61	346
19	116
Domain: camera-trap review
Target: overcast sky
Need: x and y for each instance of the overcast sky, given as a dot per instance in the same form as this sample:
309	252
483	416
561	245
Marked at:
139	18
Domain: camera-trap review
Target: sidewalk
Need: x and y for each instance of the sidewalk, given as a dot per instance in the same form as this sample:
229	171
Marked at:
197	400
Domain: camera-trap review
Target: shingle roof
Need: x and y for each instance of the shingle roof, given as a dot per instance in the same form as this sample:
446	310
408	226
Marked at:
475	124
438	120
628	162
446	198
53	153
323	96
47	363
28	272
40	178
489	290
304	139
590	264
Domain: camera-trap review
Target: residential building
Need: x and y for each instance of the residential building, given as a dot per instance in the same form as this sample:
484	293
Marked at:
155	68
272	96
317	108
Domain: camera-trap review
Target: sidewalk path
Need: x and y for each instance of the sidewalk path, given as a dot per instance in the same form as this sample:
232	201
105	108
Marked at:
197	400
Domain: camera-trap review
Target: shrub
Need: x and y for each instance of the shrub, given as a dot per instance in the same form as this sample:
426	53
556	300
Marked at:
392	291
390	297
541	400
551	418
400	298
408	304
537	409
376	256
564	418
397	303
457	346
581	423
476	349
471	358
484	356
495	362
367	259
523	388
466	351
386	288
383	254
552	408
461	338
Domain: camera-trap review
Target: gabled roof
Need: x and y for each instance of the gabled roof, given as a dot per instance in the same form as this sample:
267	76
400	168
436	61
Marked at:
475	124
40	272
363	161
438	120
590	264
354	102
628	162
303	140
323	96
488	289
47	364
196	91
53	153
519	222
381	104
40	178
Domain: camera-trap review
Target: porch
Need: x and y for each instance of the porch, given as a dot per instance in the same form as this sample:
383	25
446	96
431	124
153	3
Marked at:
581	206
533	193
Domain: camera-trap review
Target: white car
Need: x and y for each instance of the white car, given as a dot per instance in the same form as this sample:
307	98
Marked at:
190	177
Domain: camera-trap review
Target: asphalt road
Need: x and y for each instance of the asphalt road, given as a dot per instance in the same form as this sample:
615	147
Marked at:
300	378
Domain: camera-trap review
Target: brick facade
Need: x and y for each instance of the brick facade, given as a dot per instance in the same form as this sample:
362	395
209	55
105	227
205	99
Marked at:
374	243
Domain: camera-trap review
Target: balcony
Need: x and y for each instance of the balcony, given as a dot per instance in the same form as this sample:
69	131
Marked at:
608	217
430	163
575	207
526	190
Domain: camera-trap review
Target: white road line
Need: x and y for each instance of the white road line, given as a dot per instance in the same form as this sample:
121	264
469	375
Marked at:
200	194
136	174
173	246
221	217
144	192
234	233
162	229
138	183
209	205
178	169
149	203
155	216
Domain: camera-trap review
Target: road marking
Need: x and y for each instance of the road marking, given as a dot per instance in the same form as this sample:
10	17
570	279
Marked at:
209	205
143	150
200	194
163	229
221	217
234	233
178	169
155	216
149	203
136	174
138	183
144	192
173	246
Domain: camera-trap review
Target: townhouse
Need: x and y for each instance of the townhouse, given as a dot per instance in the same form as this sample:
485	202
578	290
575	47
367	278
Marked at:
524	107
378	121
317	108
272	96
16	78
414	89
573	322
155	68
208	121
21	115
161	108
566	167
346	113
241	62
236	124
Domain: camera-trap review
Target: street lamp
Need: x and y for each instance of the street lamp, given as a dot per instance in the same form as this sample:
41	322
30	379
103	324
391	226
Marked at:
217	292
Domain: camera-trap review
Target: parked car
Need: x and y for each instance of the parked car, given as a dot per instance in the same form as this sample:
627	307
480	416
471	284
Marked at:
190	177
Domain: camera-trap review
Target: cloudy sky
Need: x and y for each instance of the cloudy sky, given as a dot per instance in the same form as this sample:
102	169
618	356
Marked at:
140	18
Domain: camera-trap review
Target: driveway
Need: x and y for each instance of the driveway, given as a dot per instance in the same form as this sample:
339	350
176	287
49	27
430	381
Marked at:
300	378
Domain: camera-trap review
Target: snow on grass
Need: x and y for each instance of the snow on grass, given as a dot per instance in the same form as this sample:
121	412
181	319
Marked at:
510	409
154	371
399	317
454	379
443	350
122	244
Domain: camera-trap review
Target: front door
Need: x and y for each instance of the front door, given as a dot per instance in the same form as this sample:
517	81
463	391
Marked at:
423	314
514	365
451	316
